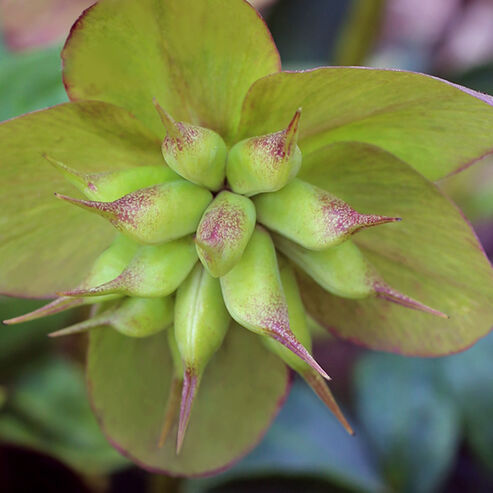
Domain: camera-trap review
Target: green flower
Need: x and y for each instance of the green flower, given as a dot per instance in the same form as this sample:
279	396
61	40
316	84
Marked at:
233	196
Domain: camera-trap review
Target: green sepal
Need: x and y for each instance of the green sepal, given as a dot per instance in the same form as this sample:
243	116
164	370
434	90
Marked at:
129	383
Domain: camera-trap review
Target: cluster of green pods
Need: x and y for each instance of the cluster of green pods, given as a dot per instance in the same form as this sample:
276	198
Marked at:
215	235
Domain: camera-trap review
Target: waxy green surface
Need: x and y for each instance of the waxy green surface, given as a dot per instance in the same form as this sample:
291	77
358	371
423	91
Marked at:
220	249
88	136
153	270
201	319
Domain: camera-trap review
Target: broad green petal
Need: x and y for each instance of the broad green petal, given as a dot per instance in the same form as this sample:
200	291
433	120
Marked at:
197	58
47	245
435	126
241	392
432	255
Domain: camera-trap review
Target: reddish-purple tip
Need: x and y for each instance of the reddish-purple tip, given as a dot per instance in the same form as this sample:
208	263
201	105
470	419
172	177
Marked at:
291	132
385	292
287	339
114	286
105	209
316	382
190	386
56	306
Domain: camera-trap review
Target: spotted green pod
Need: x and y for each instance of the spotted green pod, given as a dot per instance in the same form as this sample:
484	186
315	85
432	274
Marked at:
196	153
106	267
201	322
224	232
154	214
344	271
114	184
266	163
298	323
133	317
154	271
310	216
254	296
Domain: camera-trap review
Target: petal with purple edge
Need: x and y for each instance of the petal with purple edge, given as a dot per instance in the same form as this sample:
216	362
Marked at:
240	393
92	137
412	115
197	58
431	255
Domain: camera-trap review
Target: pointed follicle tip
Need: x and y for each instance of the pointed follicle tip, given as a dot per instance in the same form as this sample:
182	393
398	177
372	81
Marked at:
190	387
299	350
320	387
385	292
167	120
292	129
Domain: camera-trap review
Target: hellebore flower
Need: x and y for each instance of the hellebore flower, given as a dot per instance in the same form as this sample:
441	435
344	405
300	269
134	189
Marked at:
231	197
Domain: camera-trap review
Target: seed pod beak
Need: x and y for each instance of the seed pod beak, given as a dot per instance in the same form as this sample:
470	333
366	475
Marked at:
81	327
74	177
105	209
292	132
191	383
56	306
288	340
114	286
167	120
385	292
323	392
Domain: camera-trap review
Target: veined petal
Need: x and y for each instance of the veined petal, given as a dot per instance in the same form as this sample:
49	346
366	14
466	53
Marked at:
46	246
431	255
240	393
197	58
412	115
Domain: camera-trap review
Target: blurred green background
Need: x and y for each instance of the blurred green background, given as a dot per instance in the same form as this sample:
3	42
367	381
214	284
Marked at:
422	425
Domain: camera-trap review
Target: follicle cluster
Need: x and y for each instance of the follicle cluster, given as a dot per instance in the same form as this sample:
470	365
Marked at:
213	235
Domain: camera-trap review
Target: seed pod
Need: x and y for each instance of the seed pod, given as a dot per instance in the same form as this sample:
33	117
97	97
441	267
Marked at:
310	216
108	265
114	184
224	232
195	153
201	322
299	327
174	395
266	163
154	214
343	271
154	271
254	296
133	317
